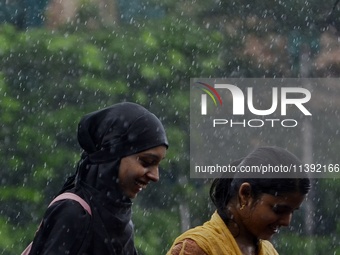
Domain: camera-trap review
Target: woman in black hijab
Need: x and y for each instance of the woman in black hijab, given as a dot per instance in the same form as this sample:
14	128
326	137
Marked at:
123	146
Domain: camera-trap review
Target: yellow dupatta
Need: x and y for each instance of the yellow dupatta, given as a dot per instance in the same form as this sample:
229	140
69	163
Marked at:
215	239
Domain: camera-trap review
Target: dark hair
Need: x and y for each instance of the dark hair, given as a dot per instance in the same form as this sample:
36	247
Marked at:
223	189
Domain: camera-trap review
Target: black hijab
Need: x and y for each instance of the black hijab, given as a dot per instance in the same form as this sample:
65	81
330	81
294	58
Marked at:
106	136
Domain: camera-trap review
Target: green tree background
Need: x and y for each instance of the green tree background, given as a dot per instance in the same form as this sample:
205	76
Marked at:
49	78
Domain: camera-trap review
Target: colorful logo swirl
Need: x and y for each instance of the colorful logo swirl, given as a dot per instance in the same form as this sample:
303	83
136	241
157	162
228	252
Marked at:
211	91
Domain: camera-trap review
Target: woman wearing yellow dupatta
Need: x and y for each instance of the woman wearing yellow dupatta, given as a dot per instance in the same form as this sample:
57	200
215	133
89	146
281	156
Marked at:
249	211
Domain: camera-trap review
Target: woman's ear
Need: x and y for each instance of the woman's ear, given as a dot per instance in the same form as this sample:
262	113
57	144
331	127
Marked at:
244	194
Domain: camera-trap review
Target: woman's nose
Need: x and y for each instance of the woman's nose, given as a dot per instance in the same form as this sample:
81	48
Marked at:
153	174
285	220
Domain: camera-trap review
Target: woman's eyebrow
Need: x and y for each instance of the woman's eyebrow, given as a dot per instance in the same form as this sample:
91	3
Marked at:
286	207
151	155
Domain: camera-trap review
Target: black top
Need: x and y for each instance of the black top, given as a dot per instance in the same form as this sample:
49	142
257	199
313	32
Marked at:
106	136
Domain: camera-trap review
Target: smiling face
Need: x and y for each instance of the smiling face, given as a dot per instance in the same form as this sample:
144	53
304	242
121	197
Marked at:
137	170
266	215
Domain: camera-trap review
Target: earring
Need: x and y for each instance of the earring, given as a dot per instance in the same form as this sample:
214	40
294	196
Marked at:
242	207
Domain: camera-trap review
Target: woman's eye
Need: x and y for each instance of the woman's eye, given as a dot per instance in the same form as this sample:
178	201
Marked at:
144	162
280	209
276	210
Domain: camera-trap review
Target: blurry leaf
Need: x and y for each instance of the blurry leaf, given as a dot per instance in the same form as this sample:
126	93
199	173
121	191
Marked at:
20	193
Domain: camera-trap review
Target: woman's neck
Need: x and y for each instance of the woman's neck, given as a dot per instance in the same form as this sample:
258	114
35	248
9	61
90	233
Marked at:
247	247
246	241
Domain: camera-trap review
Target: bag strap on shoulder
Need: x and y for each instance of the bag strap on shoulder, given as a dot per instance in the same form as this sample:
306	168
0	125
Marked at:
75	197
63	196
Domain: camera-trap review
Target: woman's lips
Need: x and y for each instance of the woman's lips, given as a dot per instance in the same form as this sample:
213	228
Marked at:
141	185
274	229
